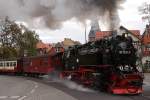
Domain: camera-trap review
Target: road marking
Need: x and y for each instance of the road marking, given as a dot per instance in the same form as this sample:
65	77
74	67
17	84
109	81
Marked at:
32	91
14	97
11	97
3	97
22	98
36	86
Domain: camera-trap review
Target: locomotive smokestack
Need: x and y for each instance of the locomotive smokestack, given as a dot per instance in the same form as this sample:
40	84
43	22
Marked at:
52	13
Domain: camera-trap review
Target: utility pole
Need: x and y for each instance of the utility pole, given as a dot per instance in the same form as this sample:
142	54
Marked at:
85	35
145	11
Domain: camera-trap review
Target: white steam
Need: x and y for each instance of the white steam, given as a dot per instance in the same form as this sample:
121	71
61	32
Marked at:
68	83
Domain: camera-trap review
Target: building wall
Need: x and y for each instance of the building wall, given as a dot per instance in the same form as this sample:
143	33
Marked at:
146	62
146	58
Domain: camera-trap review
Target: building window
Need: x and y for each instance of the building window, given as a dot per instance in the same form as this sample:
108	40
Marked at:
57	50
147	64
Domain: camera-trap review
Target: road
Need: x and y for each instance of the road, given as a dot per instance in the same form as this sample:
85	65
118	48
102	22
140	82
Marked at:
147	85
19	88
25	88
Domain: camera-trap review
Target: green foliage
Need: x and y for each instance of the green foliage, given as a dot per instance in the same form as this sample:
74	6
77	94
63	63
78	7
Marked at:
16	40
8	52
29	41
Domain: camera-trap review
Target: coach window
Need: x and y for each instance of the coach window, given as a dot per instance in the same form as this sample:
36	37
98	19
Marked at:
14	63
1	64
11	64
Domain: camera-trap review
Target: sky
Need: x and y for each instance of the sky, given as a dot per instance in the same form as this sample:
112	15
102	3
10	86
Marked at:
45	14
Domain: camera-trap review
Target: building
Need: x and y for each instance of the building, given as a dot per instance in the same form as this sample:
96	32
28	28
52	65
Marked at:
146	46
43	48
68	42
47	48
96	34
94	29
56	48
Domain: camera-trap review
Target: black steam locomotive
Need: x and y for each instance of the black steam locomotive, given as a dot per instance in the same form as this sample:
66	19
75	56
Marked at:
107	64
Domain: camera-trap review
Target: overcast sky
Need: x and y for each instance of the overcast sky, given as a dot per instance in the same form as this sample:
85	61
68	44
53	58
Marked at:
129	16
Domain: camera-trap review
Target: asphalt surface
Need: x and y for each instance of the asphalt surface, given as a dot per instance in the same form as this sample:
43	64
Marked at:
146	85
19	88
26	88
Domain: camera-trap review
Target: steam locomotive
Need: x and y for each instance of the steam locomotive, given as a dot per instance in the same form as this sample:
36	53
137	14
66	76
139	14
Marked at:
108	65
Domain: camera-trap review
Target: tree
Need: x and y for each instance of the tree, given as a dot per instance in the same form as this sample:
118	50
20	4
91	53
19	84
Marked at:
16	39
144	9
9	31
29	41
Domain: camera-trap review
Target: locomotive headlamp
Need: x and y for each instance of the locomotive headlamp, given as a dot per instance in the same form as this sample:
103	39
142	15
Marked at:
121	67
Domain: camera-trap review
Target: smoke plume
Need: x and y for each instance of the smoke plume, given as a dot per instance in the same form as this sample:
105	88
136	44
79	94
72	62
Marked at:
53	12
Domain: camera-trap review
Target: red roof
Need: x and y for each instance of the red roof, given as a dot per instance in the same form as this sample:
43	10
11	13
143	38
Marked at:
102	34
136	33
146	40
40	44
